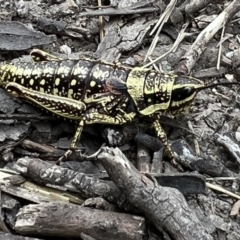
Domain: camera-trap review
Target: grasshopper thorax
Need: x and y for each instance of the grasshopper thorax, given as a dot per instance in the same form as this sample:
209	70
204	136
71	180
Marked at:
152	91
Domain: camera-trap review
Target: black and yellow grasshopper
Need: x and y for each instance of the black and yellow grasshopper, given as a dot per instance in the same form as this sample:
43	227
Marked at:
92	92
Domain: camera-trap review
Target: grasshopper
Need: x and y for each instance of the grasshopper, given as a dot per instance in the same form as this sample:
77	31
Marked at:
90	91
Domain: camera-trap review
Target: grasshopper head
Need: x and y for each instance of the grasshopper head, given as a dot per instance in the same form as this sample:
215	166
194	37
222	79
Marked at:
184	91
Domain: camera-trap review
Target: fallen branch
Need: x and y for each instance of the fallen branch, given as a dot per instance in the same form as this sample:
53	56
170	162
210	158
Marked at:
69	220
222	190
165	207
9	236
53	175
189	59
197	5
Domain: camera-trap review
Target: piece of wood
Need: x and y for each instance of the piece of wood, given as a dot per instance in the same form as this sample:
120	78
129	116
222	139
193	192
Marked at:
148	141
185	156
232	146
3	226
9	236
48	174
122	11
186	183
235	209
110	50
157	163
196	5
32	192
192	55
16	36
99	203
165	207
143	159
69	220
27	144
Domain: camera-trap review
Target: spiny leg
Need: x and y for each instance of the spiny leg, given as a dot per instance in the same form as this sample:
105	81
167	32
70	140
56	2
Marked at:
118	119
92	118
71	109
74	143
61	106
162	135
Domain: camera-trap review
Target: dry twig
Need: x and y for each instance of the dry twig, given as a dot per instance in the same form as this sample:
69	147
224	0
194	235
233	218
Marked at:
165	207
189	59
222	190
163	19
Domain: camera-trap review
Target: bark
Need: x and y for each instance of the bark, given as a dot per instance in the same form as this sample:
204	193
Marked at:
69	220
197	5
88	186
165	207
9	236
189	59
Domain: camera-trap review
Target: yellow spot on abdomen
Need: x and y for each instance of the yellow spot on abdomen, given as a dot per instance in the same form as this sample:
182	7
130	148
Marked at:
73	82
42	82
57	81
31	82
92	83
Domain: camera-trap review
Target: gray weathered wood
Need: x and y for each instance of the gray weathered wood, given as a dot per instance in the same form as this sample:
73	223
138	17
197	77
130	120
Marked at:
9	236
165	207
16	36
189	59
69	220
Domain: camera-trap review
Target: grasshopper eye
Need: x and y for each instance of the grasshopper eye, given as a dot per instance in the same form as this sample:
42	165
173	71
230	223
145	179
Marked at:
180	94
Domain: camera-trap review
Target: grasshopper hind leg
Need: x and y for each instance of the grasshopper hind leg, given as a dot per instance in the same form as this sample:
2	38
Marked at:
61	106
71	109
